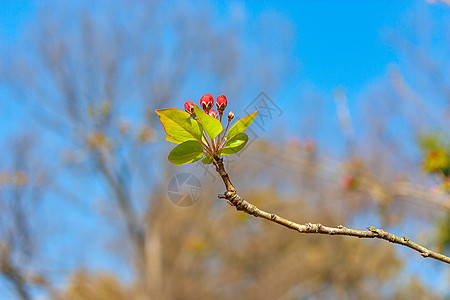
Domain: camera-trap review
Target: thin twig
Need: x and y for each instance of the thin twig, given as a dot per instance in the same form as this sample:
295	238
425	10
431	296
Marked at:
224	133
241	204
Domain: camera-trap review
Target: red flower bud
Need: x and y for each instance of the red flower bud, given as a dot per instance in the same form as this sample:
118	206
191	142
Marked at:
207	102
310	144
221	103
189	107
230	115
349	182
213	113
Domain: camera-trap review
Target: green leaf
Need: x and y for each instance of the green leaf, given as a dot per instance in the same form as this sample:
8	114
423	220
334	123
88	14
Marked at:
207	160
211	125
236	144
171	139
179	126
241	125
186	152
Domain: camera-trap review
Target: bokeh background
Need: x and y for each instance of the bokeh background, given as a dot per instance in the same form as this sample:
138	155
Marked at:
354	100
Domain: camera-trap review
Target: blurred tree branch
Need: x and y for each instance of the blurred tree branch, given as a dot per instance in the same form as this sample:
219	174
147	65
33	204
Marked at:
372	232
328	169
13	272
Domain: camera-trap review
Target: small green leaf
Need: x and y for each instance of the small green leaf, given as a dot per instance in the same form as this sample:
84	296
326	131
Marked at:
211	125
207	160
236	144
186	152
171	139
241	125
179	125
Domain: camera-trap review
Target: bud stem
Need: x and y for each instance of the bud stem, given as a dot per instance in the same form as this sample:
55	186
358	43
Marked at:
206	145
220	146
213	145
218	138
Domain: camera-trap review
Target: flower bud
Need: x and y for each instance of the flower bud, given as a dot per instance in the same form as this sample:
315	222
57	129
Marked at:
230	115
221	103
189	107
310	144
213	113
207	102
349	182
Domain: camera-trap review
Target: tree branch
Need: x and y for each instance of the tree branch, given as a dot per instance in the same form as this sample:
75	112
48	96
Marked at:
241	204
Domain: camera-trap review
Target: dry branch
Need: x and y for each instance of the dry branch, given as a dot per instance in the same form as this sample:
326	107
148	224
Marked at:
241	204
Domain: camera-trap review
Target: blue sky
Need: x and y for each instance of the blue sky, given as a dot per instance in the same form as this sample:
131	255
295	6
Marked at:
340	43
337	42
13	17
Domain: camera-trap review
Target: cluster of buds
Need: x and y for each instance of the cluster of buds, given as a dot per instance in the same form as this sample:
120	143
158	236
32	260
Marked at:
207	102
203	131
209	128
